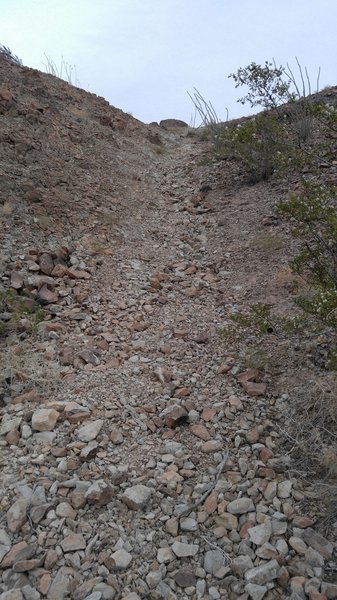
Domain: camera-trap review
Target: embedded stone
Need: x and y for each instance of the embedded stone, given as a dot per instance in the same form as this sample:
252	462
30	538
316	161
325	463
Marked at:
240	506
137	496
90	431
45	419
100	493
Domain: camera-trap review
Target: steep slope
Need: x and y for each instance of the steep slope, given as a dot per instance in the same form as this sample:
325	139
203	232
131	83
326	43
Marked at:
140	459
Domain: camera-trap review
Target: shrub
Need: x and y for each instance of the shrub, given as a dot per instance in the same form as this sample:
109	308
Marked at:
279	136
257	143
313	214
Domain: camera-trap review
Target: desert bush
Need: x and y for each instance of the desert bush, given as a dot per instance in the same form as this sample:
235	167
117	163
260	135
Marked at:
258	143
313	214
283	135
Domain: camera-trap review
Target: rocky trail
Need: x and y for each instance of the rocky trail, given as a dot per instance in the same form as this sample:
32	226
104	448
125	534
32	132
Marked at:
139	457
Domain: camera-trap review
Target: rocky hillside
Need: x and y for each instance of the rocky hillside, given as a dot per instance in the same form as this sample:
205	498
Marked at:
144	452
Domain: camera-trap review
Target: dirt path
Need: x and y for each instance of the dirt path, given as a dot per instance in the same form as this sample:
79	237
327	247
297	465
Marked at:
155	470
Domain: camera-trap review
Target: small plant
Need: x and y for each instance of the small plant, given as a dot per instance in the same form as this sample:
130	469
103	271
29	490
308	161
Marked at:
8	55
15	312
64	71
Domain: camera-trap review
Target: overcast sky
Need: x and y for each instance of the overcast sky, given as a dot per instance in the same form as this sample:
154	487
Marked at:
144	55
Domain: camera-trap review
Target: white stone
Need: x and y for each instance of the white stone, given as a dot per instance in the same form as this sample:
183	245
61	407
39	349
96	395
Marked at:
188	524
256	592
153	578
122	558
263	573
10	425
90	431
16	515
260	534
164	555
284	489
137	496
241	506
181	549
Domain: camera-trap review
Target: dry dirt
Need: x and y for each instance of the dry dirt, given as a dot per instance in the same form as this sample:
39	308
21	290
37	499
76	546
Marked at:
139	249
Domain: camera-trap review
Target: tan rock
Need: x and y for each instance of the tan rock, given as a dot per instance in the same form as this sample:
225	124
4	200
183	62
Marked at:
45	419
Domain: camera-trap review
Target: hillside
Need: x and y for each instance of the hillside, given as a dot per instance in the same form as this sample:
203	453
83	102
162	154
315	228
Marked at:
146	450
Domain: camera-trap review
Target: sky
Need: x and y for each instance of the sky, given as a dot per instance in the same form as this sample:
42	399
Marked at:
144	56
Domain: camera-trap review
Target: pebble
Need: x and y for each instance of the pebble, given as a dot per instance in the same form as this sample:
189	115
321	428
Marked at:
182	549
137	497
122	559
90	431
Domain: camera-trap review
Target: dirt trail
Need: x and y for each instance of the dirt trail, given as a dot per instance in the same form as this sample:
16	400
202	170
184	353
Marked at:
156	468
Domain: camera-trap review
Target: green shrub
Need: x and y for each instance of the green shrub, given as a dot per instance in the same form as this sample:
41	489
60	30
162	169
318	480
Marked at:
258	143
313	214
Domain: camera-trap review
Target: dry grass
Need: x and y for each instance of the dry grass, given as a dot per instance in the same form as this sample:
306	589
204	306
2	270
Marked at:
311	440
267	242
24	368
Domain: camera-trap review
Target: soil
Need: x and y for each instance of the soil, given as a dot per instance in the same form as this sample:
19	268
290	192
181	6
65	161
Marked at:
160	248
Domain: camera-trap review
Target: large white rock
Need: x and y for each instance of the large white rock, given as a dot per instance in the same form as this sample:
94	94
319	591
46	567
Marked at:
90	431
263	573
137	496
181	549
45	419
240	506
122	558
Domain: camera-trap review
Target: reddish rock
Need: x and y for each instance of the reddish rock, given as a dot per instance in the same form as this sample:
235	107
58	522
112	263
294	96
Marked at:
283	577
182	392
265	454
211	503
43	584
171	526
77	274
315	595
13	555
59	270
208	413
200	431
249	375
245	528
252	436
175	416
254	389
302	522
31	396
12	438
